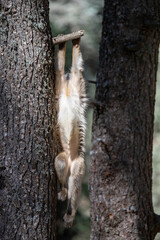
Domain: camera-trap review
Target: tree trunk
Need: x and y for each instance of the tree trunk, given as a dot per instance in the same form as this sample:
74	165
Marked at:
121	166
27	177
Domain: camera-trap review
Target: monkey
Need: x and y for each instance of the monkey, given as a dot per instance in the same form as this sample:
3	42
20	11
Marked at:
71	108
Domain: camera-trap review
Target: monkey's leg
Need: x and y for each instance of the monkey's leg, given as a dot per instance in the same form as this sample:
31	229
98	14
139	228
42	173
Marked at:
62	168
74	188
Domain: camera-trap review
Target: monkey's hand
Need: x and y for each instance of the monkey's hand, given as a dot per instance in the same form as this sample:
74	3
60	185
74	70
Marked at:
62	195
68	220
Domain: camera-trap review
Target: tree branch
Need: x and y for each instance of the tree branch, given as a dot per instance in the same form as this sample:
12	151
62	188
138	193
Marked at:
64	38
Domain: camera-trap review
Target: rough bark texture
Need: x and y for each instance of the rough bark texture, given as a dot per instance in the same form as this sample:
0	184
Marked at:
27	177
121	166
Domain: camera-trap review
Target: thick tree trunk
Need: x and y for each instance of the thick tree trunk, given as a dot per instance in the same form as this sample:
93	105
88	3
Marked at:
121	166
27	177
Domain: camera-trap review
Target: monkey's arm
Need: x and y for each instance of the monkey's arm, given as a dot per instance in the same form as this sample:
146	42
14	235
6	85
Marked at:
60	66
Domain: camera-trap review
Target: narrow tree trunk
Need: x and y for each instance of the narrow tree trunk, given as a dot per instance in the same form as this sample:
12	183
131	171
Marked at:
121	166
27	177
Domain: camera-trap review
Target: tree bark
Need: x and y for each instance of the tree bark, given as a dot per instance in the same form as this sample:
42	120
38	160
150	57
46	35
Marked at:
27	177
121	165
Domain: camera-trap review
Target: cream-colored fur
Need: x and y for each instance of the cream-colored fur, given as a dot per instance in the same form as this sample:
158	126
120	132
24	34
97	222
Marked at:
71	94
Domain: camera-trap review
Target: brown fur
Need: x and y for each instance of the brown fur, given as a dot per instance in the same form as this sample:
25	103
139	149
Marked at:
71	95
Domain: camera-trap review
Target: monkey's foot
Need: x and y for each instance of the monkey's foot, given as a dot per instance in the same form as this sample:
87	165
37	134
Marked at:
68	220
62	195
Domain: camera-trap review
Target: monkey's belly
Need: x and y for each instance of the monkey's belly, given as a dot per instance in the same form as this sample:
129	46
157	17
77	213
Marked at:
68	113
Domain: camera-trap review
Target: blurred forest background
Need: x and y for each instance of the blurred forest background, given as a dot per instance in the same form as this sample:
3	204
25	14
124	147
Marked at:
65	17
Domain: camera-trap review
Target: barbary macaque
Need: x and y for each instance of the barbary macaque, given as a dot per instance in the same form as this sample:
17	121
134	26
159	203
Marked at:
72	103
